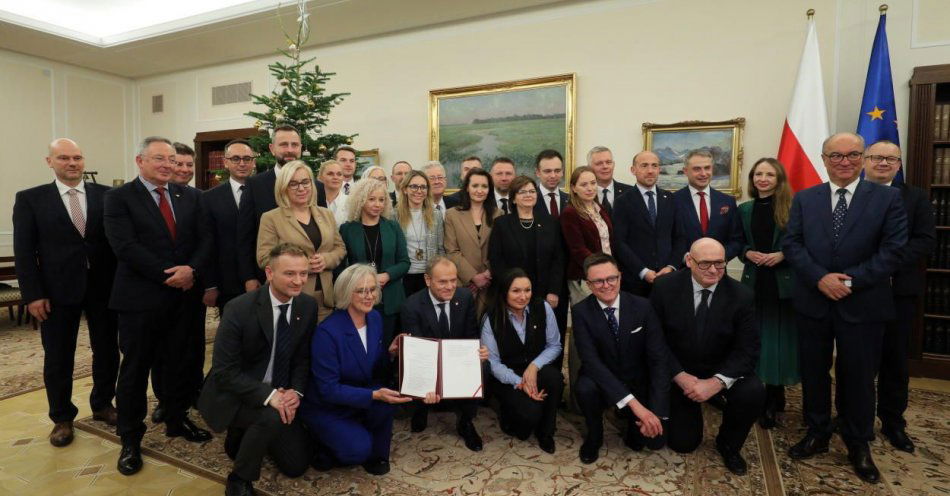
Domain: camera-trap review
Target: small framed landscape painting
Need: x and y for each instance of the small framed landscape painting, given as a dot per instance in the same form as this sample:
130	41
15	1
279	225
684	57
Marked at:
671	143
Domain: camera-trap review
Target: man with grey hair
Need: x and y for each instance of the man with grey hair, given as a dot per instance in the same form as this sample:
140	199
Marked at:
154	228
435	172
601	160
844	240
705	212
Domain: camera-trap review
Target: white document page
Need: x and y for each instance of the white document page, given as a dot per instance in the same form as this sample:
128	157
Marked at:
420	366
461	369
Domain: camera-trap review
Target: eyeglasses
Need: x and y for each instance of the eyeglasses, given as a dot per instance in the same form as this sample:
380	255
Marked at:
891	160
836	157
433	179
365	291
607	281
164	160
237	160
304	184
719	265
527	192
417	187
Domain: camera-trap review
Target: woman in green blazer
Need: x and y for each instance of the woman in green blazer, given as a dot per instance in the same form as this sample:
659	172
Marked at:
766	272
371	237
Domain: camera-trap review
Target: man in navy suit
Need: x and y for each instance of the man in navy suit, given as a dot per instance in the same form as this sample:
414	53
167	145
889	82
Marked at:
549	168
286	147
623	360
703	212
65	268
444	311
844	240
601	159
881	163
646	238
154	228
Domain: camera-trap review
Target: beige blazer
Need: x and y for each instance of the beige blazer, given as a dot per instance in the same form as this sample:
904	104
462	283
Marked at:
280	226
464	245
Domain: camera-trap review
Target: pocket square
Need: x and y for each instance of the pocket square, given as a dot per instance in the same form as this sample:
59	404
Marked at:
638	329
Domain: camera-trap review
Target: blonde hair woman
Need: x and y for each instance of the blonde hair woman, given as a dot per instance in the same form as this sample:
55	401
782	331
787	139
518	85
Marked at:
331	175
299	221
422	227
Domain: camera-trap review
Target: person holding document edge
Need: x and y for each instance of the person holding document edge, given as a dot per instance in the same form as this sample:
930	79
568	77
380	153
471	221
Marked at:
444	311
523	342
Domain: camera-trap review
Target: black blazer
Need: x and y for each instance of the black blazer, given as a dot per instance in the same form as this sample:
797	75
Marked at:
242	350
868	249
640	359
450	201
52	260
144	247
730	342
724	223
420	319
505	251
638	244
921	240
221	225
258	198
541	207
620	188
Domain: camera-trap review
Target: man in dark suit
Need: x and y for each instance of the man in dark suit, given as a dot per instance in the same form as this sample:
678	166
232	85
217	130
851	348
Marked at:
400	169
843	241
601	159
435	172
713	352
468	163
154	228
704	212
549	168
444	311
646	238
286	147
882	160
65	268
623	360
260	366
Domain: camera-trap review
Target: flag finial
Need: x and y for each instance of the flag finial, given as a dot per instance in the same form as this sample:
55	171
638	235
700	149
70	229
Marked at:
883	9
810	13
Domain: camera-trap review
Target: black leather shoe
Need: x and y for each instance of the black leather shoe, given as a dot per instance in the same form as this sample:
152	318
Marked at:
589	453
188	430
768	419
130	459
237	486
158	415
546	443
808	447
860	458
377	467
420	420
898	438
468	433
733	461
232	443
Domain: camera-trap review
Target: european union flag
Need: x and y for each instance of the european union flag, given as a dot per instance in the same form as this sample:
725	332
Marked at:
878	118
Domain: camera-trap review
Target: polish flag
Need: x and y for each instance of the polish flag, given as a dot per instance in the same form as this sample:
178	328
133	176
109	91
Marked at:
806	124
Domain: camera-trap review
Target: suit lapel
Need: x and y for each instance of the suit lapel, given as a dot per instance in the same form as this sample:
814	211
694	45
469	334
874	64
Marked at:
715	218
432	313
265	314
824	208
469	226
148	201
862	195
59	208
720	298
692	218
455	317
373	338
93	208
355	344
688	304
292	220
664	203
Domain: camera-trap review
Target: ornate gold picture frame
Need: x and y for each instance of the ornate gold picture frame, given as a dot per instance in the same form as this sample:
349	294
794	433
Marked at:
723	139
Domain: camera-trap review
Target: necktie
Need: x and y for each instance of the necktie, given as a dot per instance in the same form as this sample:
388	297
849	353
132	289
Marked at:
553	208
703	212
75	212
651	207
612	322
841	210
346	188
280	376
166	210
504	205
606	202
701	312
240	193
443	320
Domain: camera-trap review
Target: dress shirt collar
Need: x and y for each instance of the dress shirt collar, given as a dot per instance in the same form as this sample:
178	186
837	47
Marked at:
851	187
512	317
545	192
615	305
235	186
889	183
499	195
693	191
277	303
151	187
643	189
611	187
63	188
436	301
697	287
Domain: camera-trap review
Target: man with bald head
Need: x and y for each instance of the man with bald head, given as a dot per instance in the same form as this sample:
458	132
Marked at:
843	240
65	268
709	324
400	169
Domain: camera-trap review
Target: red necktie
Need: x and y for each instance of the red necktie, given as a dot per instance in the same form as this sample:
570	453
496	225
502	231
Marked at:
703	212
166	210
554	211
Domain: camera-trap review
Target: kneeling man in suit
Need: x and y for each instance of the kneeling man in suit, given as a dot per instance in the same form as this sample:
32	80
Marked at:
709	322
623	360
260	366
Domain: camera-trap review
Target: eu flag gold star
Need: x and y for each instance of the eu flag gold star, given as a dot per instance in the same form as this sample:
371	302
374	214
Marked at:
876	113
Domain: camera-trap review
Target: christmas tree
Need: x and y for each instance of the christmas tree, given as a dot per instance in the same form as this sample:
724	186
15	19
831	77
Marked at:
299	100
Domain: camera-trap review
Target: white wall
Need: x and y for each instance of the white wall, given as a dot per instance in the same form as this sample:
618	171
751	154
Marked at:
42	100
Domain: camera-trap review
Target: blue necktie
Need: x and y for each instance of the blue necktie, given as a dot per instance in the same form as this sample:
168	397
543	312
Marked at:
280	375
841	210
612	322
651	207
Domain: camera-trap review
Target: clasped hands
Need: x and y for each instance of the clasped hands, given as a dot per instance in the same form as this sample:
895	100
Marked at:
181	277
317	263
833	285
285	401
766	259
529	384
696	389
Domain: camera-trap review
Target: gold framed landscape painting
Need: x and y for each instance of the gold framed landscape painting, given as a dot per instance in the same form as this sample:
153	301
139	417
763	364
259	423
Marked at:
514	119
671	143
366	159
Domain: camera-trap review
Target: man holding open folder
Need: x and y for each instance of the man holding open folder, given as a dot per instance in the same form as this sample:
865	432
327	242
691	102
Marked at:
444	311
